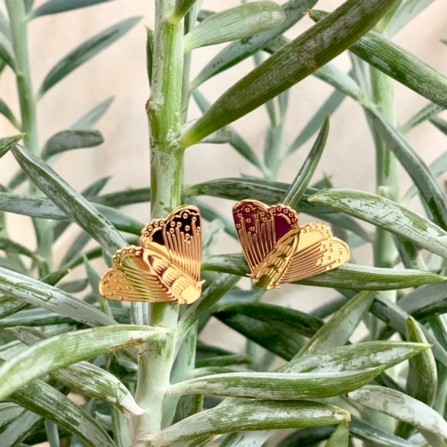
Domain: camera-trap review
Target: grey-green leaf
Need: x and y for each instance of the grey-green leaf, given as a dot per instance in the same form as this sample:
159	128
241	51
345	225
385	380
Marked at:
302	179
294	10
45	356
43	295
7	143
46	401
69	201
234	23
67	140
57	6
386	214
276	385
243	415
92	116
349	276
86	51
292	63
402	407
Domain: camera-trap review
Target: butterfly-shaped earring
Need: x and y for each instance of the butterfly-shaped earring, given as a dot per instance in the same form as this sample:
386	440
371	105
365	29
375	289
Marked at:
166	267
278	250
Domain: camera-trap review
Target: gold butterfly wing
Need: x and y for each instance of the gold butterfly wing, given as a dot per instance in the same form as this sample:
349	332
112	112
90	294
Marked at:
181	234
317	251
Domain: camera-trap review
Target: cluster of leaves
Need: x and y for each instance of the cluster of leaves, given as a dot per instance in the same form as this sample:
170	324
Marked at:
54	344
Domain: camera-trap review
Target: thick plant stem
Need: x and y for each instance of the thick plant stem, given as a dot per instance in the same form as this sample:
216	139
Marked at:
19	31
164	112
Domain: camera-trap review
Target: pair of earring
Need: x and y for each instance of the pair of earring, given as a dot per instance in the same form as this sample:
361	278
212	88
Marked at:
166	265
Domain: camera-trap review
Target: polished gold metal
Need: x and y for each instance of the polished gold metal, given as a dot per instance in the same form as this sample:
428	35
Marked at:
165	268
278	250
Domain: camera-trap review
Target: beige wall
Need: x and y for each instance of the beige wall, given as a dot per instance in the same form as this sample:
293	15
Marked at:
120	71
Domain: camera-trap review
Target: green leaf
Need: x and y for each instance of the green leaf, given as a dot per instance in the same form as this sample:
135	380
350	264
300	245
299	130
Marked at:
243	415
349	276
57	6
7	143
292	63
86	378
402	407
405	13
212	293
356	356
277	386
427	112
367	432
429	189
328	108
10	246
341	325
9	115
234	23
46	401
45	209
302	179
71	139
69	201
237	142
20	428
426	301
294	10
37	293
92	117
422	380
386	214
340	436
276	328
7	53
85	52
181	9
34	317
45	356
440	124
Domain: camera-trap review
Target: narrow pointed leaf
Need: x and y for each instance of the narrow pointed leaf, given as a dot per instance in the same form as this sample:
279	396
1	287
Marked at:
357	356
402	407
7	143
69	201
44	357
7	53
386	214
92	117
45	209
234	23
429	189
429	111
422	380
302	179
349	276
48	297
440	124
9	115
213	292
242	415
426	301
85	52
294	10
275	328
51	404
182	7
237	142
277	386
328	108
71	139
58	6
339	437
292	63
367	432
341	325
20	428
86	378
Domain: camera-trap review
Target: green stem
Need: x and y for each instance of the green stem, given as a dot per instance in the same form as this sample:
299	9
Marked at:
19	31
165	120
